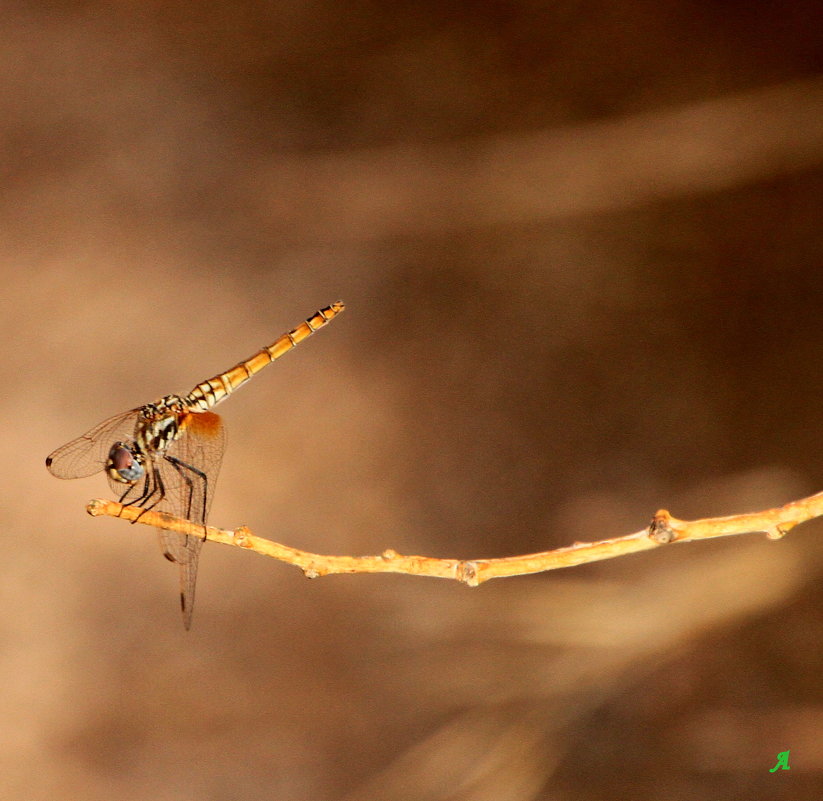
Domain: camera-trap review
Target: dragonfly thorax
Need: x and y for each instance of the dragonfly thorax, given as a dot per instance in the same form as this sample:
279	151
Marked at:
167	405
125	463
158	425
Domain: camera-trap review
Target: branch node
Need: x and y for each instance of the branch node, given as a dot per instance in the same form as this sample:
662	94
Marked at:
389	554
311	572
660	529
466	572
780	530
241	534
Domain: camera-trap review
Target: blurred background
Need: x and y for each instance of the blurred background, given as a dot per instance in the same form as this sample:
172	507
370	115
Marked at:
580	249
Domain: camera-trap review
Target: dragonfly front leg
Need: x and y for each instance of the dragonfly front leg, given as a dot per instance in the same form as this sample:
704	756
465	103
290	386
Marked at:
145	493
153	488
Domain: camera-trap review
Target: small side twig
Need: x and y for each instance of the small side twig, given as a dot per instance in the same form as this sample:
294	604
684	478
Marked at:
663	529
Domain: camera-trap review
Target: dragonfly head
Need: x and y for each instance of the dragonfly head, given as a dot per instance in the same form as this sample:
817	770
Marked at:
125	463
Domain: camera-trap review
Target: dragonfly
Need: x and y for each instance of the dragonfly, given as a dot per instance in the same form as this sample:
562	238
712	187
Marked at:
166	455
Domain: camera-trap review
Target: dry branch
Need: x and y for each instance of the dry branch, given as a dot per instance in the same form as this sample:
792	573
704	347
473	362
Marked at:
662	530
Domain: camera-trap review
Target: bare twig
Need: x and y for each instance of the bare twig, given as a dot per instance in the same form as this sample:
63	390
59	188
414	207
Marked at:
663	529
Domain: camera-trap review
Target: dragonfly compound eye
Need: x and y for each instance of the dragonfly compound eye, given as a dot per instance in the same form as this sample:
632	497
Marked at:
124	465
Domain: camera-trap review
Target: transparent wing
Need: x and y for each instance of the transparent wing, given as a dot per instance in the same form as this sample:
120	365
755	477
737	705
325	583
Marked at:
87	455
189	470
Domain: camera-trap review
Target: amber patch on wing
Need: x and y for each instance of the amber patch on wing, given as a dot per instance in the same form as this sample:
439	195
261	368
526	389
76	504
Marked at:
207	425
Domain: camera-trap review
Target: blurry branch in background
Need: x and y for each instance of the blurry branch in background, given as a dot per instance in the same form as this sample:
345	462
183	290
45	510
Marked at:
662	530
594	167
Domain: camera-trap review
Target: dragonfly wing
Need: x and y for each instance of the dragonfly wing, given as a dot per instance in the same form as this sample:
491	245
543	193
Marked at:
189	470
88	454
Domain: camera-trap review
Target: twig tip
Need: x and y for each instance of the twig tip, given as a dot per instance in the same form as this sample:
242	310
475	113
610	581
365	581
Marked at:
94	507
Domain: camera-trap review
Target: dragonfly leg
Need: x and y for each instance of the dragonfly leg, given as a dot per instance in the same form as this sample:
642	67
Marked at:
177	465
146	492
156	490
185	470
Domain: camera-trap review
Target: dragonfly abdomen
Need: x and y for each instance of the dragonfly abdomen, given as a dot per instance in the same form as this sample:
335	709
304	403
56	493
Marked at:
210	392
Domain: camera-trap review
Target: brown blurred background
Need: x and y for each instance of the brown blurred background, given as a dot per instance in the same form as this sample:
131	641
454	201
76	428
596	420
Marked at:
580	249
